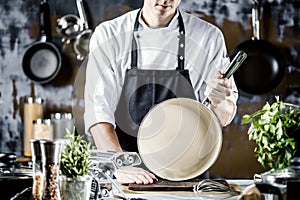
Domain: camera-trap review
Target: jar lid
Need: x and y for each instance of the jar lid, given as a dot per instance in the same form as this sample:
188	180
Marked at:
33	100
58	115
42	121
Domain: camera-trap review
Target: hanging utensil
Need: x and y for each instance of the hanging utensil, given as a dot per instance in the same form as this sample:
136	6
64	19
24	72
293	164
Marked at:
42	60
264	69
81	44
69	26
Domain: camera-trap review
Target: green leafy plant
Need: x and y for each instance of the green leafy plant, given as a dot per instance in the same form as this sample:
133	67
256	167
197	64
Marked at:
75	158
276	130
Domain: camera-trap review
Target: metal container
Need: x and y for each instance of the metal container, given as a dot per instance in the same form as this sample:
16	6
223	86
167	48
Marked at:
274	182
13	177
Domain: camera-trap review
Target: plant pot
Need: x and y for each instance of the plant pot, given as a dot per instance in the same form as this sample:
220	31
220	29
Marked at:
75	189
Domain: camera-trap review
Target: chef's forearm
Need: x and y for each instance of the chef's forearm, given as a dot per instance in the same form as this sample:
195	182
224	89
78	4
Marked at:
225	112
105	137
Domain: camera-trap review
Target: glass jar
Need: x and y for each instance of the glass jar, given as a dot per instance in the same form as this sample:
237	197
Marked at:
33	109
61	123
43	129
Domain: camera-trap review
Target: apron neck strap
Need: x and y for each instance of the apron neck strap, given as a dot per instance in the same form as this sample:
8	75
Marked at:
181	43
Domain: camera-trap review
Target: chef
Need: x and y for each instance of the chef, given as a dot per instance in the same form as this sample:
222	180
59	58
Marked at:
147	56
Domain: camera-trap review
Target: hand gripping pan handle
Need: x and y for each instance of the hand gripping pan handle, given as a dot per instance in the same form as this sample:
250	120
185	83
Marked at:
230	69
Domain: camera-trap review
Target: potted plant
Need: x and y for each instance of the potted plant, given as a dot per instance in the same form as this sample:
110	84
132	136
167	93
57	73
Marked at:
276	130
75	161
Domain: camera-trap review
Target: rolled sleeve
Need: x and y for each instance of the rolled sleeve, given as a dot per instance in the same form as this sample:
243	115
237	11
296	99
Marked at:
101	88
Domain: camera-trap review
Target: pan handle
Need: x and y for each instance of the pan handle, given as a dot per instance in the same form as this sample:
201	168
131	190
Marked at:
45	21
255	20
230	69
82	14
235	64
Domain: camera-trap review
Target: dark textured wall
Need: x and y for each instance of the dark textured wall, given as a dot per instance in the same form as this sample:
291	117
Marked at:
19	28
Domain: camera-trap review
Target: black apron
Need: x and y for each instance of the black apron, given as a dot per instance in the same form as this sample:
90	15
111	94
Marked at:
143	89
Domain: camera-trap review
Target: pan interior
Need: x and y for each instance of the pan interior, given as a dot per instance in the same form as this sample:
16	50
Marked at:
179	139
263	70
43	63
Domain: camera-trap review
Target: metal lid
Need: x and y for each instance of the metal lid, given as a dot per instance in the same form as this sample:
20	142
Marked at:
42	121
33	100
61	116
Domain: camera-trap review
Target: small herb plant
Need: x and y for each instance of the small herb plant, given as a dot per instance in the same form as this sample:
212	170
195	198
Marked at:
75	157
276	130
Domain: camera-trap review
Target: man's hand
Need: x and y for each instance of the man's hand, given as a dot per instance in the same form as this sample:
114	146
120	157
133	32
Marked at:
136	175
218	89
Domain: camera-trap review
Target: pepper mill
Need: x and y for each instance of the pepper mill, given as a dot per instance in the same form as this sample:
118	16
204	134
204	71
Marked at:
51	151
37	172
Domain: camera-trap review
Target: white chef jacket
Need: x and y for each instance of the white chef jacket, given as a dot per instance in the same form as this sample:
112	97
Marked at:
110	57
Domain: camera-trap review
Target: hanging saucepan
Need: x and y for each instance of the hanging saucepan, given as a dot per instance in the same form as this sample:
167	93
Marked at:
69	26
81	44
264	68
42	60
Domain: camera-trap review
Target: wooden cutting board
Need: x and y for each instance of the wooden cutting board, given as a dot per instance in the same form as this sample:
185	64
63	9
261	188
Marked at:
163	185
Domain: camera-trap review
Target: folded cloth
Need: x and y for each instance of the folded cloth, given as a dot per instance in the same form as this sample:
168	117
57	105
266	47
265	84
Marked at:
251	193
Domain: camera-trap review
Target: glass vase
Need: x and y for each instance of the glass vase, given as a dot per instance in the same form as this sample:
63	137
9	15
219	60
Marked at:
75	188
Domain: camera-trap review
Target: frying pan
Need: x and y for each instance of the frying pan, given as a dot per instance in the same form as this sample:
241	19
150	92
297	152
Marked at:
81	44
180	138
264	68
42	60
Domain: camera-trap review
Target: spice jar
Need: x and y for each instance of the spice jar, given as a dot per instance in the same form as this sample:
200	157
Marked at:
51	151
37	172
33	109
43	129
61	123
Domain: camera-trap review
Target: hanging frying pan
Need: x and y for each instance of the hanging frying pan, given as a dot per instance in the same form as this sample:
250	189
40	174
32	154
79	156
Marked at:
42	60
81	44
264	68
